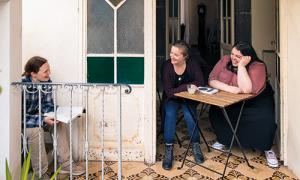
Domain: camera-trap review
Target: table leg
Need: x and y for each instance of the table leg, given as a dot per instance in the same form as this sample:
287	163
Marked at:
234	136
187	150
196	123
201	134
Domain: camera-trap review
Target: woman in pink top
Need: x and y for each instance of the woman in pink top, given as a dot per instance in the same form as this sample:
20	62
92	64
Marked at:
243	72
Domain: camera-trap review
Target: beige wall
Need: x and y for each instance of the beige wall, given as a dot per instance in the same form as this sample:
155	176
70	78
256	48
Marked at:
290	38
263	33
263	25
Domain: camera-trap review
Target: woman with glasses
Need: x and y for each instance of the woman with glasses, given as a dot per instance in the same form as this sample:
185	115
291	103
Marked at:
243	72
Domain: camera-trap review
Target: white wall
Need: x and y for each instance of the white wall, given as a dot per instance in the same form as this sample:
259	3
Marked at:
51	30
10	70
292	89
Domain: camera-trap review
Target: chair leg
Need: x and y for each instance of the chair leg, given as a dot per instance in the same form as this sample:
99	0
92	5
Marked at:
177	137
178	140
208	148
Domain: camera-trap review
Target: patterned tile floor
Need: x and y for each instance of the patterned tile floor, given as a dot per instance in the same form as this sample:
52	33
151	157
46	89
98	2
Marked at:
237	168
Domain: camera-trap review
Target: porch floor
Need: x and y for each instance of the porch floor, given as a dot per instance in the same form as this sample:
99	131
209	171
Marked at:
237	168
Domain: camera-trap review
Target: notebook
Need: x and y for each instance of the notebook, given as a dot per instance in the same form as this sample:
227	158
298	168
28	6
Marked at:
207	90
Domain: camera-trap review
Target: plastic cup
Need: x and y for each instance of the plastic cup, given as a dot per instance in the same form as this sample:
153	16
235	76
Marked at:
191	89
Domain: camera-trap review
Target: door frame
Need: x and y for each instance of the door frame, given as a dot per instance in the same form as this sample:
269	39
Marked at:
282	32
149	86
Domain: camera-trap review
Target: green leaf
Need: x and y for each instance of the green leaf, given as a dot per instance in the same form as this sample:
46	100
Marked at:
33	175
25	170
56	172
8	173
25	167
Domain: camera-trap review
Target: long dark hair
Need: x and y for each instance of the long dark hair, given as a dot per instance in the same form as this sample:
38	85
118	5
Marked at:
246	49
33	65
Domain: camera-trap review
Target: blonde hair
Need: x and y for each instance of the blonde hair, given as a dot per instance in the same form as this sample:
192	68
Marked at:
184	47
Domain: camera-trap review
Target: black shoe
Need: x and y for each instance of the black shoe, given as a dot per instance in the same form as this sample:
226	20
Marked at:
168	159
197	153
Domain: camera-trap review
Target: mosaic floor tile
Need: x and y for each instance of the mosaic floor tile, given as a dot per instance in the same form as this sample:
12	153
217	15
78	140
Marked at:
237	168
191	174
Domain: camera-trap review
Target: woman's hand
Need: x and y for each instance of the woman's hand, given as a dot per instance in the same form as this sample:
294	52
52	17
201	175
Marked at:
50	121
244	61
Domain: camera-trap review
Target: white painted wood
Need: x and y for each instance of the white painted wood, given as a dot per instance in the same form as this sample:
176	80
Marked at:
289	55
10	98
118	55
150	81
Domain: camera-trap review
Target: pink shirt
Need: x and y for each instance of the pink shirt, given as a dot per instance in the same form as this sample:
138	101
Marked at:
256	71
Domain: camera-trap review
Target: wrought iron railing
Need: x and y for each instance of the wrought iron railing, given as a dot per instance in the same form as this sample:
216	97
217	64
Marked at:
84	91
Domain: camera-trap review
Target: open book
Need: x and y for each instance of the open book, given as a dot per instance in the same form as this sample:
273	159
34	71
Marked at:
207	90
63	113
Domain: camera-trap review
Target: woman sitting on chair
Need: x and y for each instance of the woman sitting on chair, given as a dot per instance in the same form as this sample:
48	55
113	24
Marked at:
177	73
243	72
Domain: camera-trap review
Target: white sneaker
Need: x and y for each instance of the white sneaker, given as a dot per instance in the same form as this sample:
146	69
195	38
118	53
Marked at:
271	158
218	146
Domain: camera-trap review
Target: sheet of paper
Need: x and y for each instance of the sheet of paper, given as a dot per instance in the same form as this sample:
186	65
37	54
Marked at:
63	113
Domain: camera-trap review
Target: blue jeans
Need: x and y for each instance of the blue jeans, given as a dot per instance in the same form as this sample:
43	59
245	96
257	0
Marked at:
171	108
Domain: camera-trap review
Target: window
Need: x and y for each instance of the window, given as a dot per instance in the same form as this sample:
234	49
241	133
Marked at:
226	22
115	41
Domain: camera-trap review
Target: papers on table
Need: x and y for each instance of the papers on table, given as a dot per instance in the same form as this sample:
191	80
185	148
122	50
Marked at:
63	113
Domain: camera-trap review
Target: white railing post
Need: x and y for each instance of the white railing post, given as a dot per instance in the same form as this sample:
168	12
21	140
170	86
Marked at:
70	132
119	107
40	128
102	136
86	143
54	136
24	137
